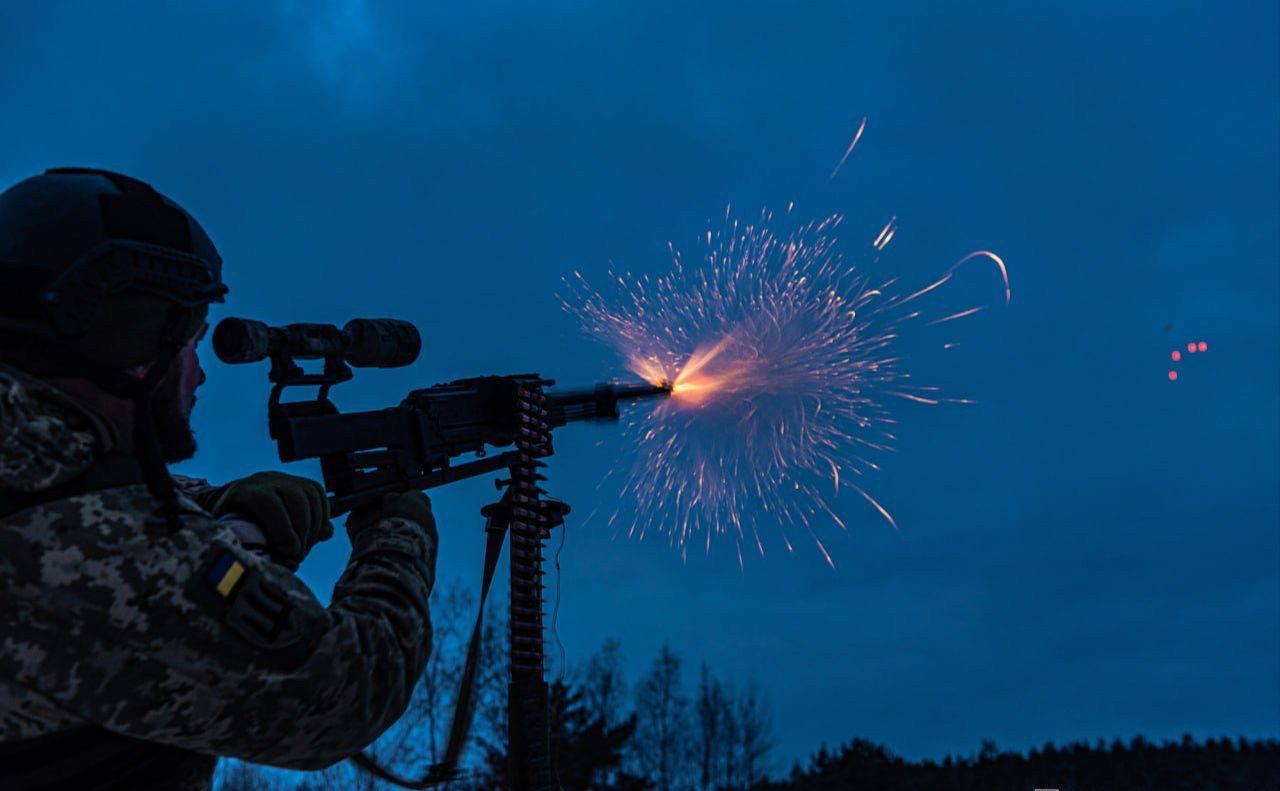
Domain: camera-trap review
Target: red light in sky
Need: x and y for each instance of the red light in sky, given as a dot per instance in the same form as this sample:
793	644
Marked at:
1192	348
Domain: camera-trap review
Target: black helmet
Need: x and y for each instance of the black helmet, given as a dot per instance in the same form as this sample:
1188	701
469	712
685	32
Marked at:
100	273
73	240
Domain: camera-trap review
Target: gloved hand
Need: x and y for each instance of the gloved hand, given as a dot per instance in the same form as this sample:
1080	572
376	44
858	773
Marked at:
292	512
412	505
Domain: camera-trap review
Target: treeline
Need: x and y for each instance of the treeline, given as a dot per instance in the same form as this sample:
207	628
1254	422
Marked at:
1186	765
676	730
658	734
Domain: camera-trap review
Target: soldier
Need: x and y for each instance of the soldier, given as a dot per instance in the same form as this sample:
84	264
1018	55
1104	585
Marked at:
139	637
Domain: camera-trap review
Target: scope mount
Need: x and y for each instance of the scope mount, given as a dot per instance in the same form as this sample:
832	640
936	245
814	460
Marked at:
286	372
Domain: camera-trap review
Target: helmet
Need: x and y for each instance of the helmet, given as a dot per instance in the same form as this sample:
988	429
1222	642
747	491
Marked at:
100	273
101	266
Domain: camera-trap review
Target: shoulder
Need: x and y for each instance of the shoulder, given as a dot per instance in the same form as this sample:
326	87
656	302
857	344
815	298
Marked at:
102	569
107	550
46	437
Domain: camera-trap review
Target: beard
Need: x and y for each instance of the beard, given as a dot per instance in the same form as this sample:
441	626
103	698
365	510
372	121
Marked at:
172	419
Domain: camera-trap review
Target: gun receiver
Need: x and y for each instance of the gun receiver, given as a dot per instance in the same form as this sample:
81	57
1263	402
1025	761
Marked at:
364	455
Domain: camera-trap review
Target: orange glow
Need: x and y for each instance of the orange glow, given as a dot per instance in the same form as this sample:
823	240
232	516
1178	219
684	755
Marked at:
1204	347
1177	355
694	383
1173	376
784	373
649	369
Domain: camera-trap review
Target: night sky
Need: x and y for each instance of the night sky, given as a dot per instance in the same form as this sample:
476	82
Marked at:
1090	551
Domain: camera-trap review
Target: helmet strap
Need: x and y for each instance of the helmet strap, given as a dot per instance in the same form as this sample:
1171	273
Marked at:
141	392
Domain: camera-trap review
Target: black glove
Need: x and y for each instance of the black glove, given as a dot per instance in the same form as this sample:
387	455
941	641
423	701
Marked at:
292	512
411	505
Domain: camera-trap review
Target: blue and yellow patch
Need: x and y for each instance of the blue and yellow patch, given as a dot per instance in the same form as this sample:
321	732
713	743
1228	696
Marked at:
225	574
257	605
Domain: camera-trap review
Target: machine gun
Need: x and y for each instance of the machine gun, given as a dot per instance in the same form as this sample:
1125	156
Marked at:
364	455
417	445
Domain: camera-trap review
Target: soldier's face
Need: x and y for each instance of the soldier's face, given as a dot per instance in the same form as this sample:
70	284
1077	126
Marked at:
190	374
175	398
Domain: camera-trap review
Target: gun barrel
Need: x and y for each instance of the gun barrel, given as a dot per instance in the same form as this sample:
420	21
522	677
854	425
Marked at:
599	402
637	390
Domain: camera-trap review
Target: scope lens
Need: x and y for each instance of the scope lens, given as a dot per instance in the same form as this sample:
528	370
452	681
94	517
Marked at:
381	343
241	340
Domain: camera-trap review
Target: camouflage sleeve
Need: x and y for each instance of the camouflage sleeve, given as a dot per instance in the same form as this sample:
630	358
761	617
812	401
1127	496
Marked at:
185	638
198	489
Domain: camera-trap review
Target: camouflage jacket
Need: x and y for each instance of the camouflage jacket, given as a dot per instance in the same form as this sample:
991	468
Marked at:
183	638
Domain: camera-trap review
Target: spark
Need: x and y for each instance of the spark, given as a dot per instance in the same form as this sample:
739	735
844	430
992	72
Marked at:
856	137
783	360
962	314
886	234
999	262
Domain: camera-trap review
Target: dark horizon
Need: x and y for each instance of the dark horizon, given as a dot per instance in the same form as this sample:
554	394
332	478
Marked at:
1090	551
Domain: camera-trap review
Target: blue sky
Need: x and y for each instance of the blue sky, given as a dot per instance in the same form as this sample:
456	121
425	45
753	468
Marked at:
1088	552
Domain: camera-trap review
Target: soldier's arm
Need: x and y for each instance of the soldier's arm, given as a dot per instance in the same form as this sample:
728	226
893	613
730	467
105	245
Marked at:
189	640
199	490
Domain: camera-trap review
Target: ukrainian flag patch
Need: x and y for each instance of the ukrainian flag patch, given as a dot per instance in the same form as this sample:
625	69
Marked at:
224	574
